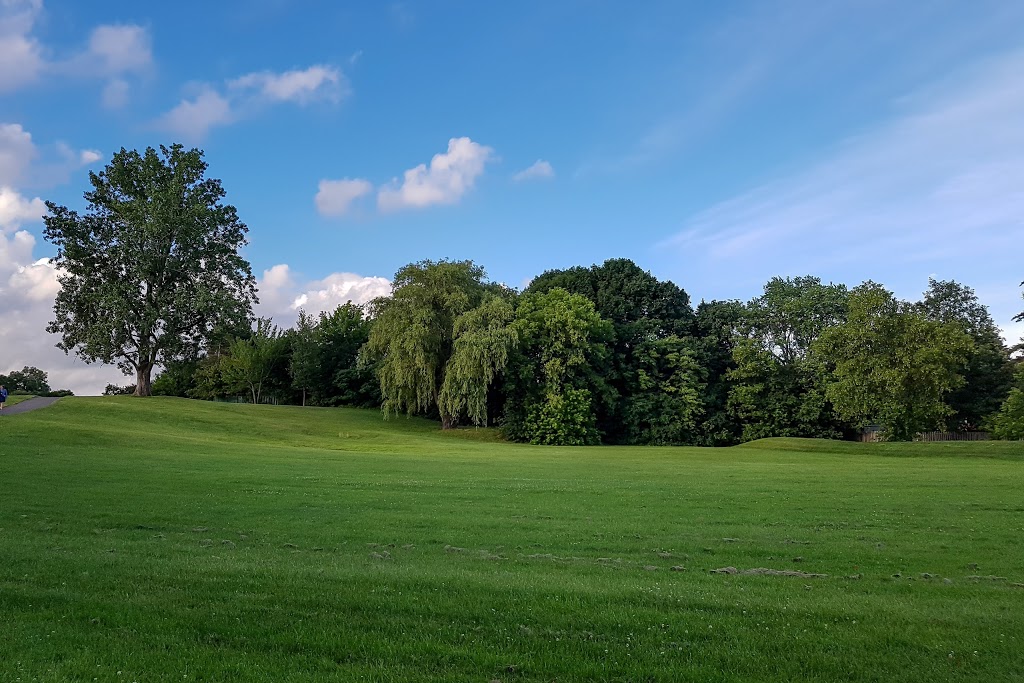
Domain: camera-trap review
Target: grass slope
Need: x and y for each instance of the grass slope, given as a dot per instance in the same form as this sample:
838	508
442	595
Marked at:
162	539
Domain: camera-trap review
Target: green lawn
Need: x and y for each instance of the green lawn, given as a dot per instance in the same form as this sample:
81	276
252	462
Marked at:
171	540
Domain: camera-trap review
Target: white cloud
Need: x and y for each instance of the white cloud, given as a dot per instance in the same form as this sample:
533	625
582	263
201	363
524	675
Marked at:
193	119
938	185
21	59
299	85
281	296
539	169
335	197
16	209
16	152
120	49
449	176
27	289
247	94
89	156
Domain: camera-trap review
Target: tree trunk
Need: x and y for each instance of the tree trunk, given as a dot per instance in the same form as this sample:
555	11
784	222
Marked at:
144	381
447	422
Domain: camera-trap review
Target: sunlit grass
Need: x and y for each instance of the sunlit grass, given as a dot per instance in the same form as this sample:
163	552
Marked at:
163	539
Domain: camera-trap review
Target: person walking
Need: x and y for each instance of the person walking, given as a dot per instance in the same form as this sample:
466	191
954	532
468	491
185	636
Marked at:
3	396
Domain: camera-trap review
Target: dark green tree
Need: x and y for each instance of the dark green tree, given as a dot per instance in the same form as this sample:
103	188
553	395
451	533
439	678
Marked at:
777	388
252	361
891	365
989	372
413	333
325	358
29	380
642	310
716	332
176	379
153	266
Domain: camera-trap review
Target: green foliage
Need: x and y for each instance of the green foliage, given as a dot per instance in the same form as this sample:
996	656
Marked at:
484	340
777	388
553	387
176	379
116	390
668	405
988	375
324	360
1008	423
716	332
641	309
30	380
152	268
251	362
892	365
413	334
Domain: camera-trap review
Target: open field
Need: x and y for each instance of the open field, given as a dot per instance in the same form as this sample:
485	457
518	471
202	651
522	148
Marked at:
162	539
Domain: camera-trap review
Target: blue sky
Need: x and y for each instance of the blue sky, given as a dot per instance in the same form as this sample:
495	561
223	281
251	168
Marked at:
716	144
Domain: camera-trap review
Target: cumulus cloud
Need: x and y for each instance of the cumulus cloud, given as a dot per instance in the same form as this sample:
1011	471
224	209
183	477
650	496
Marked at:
538	170
16	209
16	152
27	289
21	58
243	96
282	296
448	177
335	197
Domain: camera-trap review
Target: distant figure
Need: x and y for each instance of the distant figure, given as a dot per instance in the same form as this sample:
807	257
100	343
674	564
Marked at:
3	396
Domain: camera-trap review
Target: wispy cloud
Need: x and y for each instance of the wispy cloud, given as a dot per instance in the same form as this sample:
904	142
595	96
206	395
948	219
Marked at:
939	182
192	118
335	197
538	170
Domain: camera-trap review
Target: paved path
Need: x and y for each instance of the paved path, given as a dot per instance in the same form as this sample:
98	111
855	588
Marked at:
31	404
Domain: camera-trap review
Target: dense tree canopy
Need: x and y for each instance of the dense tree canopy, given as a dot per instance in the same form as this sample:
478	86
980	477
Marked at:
988	375
892	365
152	268
777	388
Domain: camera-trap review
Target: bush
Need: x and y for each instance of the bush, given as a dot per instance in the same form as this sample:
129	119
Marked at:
58	393
114	390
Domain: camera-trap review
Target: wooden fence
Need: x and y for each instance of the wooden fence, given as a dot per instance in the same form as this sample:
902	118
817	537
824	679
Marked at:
874	436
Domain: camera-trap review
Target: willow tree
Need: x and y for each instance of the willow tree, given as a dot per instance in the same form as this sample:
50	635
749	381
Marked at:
484	340
151	270
413	334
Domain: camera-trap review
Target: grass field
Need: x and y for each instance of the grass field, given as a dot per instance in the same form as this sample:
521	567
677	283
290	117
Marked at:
15	399
171	540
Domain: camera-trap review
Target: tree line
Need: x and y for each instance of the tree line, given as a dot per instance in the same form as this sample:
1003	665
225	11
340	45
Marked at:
611	354
151	276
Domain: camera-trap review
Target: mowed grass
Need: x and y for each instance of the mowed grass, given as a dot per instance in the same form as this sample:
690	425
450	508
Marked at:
172	540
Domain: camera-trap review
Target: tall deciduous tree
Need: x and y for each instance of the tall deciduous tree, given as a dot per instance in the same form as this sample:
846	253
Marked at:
250	362
892	365
988	375
152	268
413	333
777	390
325	355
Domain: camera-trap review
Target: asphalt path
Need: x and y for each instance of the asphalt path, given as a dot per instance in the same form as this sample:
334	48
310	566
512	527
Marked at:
31	404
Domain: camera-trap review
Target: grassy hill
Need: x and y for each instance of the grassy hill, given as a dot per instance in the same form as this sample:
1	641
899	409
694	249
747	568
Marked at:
163	539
